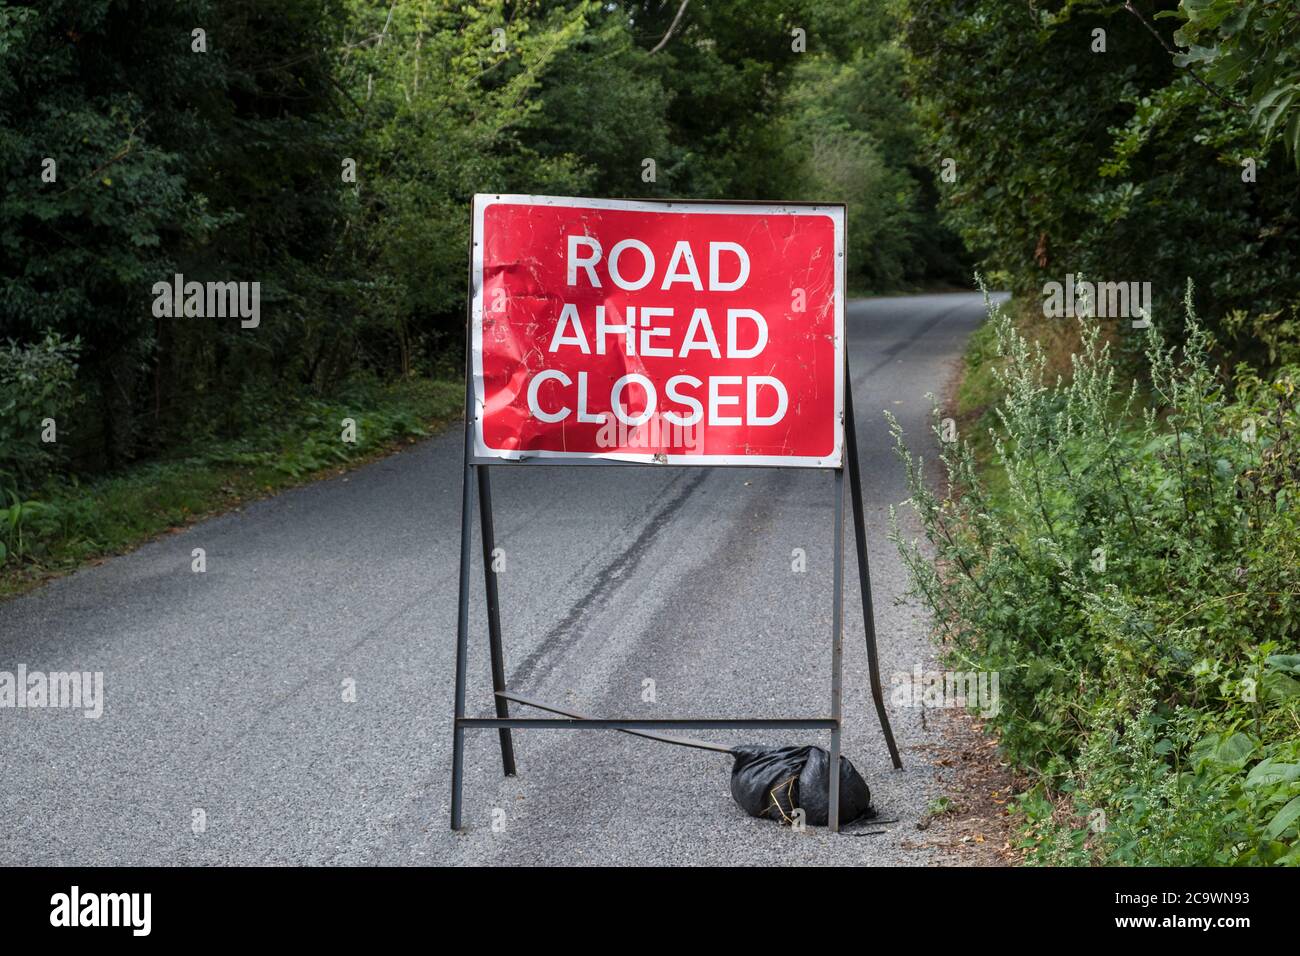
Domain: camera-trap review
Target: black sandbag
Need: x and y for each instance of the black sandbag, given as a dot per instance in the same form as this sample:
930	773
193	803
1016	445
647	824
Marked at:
855	796
773	782
763	779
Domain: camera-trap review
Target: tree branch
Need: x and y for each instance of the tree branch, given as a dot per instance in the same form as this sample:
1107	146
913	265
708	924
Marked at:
671	27
1218	94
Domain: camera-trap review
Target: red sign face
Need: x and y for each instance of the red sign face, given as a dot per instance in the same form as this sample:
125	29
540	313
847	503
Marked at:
658	331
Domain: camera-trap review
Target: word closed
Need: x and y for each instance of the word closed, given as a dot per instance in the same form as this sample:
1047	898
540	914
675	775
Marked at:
682	333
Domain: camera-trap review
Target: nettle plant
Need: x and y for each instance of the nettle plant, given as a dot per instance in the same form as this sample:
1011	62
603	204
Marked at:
1131	567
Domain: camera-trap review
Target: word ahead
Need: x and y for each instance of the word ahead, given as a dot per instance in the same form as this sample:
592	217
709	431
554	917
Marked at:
684	333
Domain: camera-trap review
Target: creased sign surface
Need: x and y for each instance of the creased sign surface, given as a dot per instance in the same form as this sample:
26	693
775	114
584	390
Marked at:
637	331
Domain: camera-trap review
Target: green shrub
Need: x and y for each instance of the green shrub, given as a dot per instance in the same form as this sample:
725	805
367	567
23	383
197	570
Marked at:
35	385
1135	580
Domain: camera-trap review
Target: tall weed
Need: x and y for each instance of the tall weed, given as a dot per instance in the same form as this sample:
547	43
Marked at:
1135	580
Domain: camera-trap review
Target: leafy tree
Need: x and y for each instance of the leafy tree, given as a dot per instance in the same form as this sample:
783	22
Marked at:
206	154
849	118
1253	47
443	97
726	66
1117	164
97	194
604	102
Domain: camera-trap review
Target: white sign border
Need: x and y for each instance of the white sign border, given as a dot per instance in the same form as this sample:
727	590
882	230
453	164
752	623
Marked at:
486	455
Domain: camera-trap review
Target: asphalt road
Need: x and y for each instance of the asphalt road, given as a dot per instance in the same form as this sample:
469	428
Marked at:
225	709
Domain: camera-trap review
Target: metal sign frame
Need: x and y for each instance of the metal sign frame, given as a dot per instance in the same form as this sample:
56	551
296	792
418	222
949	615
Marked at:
476	476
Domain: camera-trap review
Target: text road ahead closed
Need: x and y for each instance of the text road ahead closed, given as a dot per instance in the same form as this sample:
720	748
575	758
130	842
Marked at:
639	331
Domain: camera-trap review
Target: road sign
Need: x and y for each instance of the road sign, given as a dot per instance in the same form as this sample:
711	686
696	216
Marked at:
670	332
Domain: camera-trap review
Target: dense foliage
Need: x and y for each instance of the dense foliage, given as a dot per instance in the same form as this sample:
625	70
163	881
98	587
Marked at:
1087	140
1136	582
163	160
1252	49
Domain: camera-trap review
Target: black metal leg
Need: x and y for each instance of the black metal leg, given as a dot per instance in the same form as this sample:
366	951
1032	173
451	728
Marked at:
837	655
494	616
462	632
864	569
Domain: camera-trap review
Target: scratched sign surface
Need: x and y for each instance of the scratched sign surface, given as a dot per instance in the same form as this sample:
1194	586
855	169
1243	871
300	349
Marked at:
657	332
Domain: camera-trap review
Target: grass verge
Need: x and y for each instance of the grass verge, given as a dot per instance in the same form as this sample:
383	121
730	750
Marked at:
67	524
